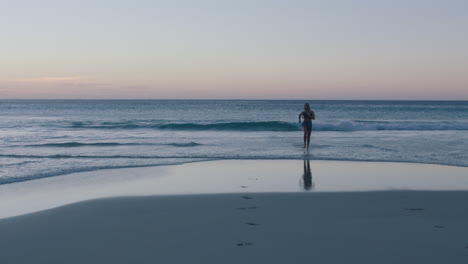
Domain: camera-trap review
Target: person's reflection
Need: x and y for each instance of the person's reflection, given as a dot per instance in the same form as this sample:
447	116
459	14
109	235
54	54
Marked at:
307	176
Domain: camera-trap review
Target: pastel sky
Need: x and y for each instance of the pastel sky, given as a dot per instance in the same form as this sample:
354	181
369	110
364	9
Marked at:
234	49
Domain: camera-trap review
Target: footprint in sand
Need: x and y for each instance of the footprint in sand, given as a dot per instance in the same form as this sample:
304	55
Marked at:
244	244
251	224
244	186
253	179
247	197
439	226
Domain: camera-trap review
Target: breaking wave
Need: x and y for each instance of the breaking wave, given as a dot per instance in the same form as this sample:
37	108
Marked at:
228	126
108	144
344	126
388	125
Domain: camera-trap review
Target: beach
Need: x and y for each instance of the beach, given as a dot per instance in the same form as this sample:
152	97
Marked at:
219	132
140	181
232	223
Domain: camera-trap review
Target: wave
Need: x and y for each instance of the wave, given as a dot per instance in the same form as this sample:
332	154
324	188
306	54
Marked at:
228	126
189	144
78	144
278	126
17	163
65	156
235	126
109	144
349	126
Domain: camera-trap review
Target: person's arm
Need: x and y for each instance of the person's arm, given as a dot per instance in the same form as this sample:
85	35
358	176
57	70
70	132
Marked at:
312	115
300	116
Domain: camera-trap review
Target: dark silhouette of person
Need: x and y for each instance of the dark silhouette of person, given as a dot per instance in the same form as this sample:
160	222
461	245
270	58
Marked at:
307	176
308	116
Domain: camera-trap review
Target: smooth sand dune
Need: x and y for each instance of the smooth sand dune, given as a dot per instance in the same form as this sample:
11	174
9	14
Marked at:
356	227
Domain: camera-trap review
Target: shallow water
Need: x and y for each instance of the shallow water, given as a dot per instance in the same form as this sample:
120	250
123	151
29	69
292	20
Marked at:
229	176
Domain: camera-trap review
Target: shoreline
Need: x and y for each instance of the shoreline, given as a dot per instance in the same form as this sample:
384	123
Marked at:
228	176
233	211
229	159
352	227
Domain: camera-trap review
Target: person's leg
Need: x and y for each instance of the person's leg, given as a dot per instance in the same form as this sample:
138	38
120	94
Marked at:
305	135
307	129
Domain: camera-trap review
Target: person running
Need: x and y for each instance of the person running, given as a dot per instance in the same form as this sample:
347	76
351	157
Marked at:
308	116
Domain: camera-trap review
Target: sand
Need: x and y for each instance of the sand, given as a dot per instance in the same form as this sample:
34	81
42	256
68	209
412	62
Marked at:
353	227
240	212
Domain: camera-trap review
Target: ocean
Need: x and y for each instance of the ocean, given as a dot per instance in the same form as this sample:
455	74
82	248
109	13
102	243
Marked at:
44	138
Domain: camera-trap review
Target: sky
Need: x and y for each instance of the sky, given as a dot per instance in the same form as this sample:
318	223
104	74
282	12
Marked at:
234	49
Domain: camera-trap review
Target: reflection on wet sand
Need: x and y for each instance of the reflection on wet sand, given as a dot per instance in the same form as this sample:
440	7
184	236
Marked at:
307	176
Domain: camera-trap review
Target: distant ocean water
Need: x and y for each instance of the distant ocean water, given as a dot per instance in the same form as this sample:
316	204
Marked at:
42	138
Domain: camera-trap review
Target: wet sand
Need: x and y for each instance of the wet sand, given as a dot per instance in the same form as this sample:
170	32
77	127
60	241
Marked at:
228	176
353	227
